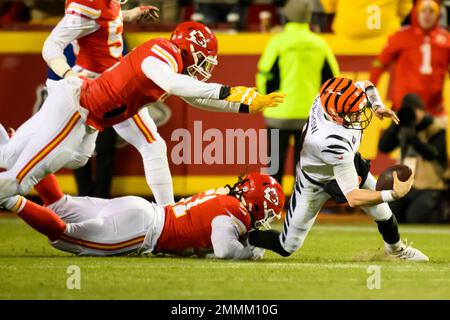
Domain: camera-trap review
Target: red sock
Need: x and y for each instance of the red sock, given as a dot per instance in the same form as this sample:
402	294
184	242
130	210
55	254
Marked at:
42	219
49	190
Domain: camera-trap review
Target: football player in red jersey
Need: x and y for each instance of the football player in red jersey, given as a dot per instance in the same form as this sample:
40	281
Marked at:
216	219
78	107
420	55
95	29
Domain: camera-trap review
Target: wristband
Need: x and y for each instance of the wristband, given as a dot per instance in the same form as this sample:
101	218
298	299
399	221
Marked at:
387	195
224	92
243	108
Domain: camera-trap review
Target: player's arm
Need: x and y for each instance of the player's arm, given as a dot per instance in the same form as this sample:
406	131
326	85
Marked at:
72	27
347	179
217	105
166	77
225	240
376	104
137	14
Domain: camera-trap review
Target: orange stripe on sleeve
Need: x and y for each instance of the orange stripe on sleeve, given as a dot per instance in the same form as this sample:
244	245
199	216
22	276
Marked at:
49	147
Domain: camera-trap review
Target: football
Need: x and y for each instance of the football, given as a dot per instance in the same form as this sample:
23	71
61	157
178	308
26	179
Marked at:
386	181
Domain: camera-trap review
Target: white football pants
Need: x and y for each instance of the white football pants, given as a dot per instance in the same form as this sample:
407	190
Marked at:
103	227
306	202
141	132
55	137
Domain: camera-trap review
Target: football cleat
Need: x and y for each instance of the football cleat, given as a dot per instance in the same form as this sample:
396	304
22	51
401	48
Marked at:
405	252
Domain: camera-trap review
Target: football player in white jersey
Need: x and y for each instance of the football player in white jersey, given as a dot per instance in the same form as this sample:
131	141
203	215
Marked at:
330	166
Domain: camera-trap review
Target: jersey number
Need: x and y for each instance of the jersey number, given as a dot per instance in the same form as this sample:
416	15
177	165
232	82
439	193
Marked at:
181	208
425	67
115	40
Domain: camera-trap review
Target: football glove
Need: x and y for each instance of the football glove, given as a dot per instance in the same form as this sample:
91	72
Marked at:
261	102
255	101
242	95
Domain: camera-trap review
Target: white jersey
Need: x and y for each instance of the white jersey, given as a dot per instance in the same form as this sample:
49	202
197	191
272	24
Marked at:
326	144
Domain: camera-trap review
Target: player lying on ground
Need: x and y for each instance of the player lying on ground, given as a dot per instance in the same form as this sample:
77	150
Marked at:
97	28
330	166
218	219
76	108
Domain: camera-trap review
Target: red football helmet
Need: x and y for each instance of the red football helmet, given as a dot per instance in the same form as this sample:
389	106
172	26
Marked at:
263	197
198	47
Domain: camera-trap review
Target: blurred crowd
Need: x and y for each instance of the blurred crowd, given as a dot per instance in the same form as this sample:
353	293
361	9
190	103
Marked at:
385	17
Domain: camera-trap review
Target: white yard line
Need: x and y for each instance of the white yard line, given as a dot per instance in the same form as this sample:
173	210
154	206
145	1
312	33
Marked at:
403	229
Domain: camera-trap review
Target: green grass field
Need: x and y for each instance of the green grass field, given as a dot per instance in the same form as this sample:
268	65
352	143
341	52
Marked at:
331	265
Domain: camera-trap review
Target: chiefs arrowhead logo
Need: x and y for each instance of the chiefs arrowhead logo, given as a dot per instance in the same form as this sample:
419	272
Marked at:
271	195
198	38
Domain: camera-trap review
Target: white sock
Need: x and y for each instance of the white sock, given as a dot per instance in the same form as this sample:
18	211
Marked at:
14	203
395	246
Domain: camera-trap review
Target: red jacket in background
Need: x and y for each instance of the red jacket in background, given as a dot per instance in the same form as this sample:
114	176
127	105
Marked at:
420	61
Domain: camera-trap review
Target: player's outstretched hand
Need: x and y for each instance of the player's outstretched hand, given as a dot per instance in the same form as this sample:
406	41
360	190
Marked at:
401	188
261	102
256	101
383	112
150	13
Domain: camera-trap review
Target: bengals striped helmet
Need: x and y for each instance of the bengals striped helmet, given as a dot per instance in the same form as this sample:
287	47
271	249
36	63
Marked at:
345	103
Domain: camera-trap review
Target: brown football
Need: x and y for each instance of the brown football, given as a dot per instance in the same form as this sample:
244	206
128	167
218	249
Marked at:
386	181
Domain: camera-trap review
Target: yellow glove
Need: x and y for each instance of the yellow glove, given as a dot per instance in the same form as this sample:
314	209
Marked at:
263	101
257	102
241	94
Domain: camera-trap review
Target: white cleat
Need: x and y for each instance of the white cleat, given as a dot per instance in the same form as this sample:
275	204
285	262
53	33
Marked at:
405	252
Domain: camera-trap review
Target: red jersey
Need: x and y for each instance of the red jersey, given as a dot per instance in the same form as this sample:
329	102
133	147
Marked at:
188	223
421	61
121	91
102	48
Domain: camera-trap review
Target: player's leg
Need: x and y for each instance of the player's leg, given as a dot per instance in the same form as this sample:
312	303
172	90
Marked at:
306	201
10	152
11	147
48	188
42	219
120	227
141	132
50	148
388	228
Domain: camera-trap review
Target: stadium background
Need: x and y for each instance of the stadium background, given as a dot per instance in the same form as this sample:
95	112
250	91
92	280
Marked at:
23	70
333	263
